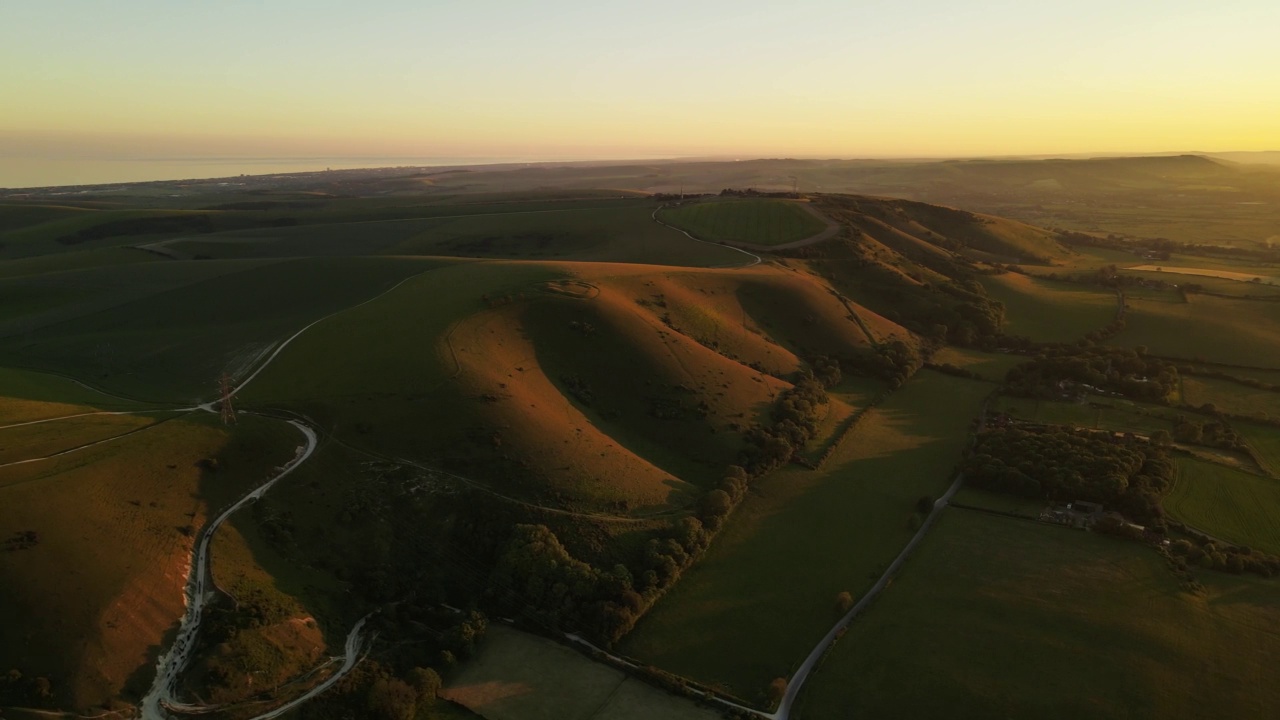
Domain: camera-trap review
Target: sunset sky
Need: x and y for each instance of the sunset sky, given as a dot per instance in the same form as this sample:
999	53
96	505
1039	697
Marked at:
157	78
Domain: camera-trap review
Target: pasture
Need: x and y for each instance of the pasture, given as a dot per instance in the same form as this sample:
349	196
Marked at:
766	589
1048	311
1213	329
518	676
1099	413
173	344
991	366
751	221
1235	506
1265	441
1230	397
998	617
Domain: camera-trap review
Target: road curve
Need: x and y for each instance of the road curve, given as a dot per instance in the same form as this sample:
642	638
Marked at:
199	583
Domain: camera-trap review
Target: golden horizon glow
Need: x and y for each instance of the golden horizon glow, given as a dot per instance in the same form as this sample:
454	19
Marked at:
577	80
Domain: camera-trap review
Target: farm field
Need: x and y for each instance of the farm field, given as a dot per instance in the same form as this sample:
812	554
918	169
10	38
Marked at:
991	366
1230	397
1100	413
1219	330
517	676
1002	617
49	438
118	518
1265	441
766	590
751	221
1262	277
1048	311
1236	506
173	344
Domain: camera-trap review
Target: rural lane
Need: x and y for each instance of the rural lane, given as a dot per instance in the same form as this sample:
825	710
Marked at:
806	668
199	586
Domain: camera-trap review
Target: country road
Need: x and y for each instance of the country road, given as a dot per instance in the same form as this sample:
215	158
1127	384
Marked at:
198	590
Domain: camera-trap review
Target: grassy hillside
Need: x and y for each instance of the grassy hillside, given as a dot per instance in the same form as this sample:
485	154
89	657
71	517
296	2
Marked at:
753	221
1003	617
117	521
766	591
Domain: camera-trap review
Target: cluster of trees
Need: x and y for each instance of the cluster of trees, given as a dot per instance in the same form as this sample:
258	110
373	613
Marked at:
376	691
795	419
1132	373
894	362
1073	465
1223	557
1211	433
539	579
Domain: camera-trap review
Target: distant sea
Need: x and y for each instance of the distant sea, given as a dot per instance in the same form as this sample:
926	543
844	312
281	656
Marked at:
26	172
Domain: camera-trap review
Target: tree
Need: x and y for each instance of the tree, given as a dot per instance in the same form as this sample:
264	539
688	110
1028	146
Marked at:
392	699
777	689
426	683
1162	438
844	601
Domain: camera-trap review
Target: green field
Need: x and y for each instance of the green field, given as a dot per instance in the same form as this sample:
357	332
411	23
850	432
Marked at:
1048	311
1100	413
755	222
991	366
997	617
174	343
1235	506
1220	330
1265	441
517	676
1230	397
766	590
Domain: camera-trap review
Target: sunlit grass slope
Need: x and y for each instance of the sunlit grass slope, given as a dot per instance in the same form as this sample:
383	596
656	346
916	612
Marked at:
88	605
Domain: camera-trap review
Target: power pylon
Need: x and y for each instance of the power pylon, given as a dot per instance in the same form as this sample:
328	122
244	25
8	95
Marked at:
228	412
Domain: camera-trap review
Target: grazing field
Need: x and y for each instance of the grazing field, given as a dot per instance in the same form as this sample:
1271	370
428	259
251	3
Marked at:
49	438
753	221
26	395
1230	397
1100	413
997	617
620	231
1220	330
999	502
1259	277
517	676
991	366
1265	441
1235	506
117	521
766	590
1048	311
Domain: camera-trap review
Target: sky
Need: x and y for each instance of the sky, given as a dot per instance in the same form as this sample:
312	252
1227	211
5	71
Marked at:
563	79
